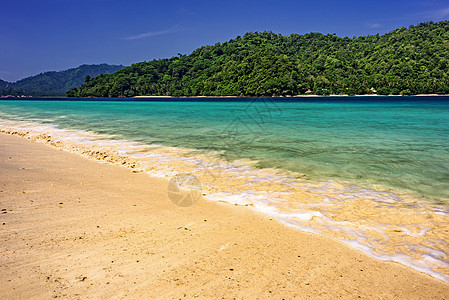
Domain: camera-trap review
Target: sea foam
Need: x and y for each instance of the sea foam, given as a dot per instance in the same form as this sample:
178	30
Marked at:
382	224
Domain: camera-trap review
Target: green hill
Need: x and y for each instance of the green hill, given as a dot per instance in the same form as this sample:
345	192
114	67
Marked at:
413	60
57	83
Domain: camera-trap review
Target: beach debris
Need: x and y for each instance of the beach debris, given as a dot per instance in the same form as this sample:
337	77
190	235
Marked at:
184	228
81	278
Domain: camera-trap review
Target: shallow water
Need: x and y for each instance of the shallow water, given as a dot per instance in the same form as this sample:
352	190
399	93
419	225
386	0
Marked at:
392	141
370	171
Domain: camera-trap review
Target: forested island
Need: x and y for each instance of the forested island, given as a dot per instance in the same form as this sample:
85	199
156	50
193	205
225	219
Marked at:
406	61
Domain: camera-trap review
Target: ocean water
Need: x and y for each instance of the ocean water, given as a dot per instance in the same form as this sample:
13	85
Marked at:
372	172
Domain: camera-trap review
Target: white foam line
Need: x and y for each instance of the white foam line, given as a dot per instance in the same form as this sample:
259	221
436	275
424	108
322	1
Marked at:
400	258
258	201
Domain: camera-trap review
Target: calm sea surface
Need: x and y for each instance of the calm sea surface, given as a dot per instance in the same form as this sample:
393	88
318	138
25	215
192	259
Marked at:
397	142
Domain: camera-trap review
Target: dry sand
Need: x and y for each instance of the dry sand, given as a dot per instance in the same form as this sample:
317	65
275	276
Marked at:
77	228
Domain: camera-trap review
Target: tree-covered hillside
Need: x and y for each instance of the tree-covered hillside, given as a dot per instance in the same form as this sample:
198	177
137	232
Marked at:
57	83
412	60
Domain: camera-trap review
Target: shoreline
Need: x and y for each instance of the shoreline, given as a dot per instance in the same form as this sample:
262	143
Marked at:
214	97
299	96
308	215
79	235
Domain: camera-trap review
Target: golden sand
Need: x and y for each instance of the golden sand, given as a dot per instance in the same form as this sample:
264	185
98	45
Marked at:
381	224
75	228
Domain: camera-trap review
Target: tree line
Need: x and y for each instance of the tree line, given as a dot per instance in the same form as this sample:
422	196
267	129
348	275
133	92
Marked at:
413	60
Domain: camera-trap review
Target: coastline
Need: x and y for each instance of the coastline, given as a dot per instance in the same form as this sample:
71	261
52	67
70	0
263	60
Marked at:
213	97
403	231
294	96
78	228
298	96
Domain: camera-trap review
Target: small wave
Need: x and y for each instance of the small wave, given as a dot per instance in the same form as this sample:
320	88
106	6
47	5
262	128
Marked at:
383	224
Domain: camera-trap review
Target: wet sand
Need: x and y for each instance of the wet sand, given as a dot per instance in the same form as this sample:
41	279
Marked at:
77	228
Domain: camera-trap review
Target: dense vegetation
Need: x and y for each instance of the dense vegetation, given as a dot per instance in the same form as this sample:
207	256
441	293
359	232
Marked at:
56	83
412	60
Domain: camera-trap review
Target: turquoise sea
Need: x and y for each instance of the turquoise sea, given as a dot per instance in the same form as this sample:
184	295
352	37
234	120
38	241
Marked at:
398	142
385	149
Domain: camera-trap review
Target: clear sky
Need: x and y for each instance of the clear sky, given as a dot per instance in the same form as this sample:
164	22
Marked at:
52	35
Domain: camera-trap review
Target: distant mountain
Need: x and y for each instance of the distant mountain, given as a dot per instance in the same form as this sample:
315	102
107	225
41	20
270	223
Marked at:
56	83
413	60
3	84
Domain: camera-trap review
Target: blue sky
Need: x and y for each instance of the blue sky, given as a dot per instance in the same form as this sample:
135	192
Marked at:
51	35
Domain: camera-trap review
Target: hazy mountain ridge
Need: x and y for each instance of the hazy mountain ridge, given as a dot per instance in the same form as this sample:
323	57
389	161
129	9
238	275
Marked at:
3	84
56	83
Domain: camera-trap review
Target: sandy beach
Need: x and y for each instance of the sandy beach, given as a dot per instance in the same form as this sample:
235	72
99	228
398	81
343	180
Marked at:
77	228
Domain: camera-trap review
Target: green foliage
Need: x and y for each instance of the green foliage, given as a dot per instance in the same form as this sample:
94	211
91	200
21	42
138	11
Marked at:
6	88
56	83
404	61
